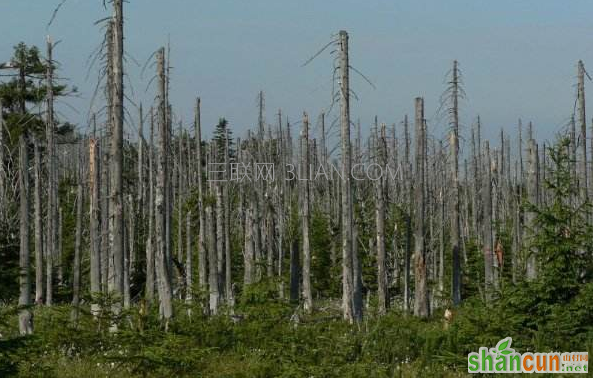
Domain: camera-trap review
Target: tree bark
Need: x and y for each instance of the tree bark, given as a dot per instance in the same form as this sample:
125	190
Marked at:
421	305
347	258
307	293
161	265
116	219
38	226
25	315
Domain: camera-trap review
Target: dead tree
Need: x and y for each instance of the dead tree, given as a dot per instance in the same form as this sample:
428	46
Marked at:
307	293
2	173
347	258
95	242
456	92
583	124
25	316
421	305
381	152
38	226
78	238
533	198
161	265
487	224
52	212
202	269
116	199
150	237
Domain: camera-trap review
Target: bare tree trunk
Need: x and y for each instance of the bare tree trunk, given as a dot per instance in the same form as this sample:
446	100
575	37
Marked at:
213	282
38	226
95	236
455	221
141	189
116	219
533	197
150	239
220	252
347	278
25	316
162	270
202	268
52	213
487	225
2	172
307	294
294	270
421	305
583	123
227	228
78	238
188	262
380	223
408	201
248	276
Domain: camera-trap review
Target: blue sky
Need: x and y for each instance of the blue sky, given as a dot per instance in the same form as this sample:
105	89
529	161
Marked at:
518	57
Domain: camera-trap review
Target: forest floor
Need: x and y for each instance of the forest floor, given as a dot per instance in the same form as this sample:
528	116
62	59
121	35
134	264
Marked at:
266	337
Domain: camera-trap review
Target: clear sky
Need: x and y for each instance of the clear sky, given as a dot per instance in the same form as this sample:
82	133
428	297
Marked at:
518	57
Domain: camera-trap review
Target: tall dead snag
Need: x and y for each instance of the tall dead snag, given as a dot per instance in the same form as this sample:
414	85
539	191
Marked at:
228	282
583	124
116	199
487	224
249	253
2	174
140	160
188	262
161	265
52	213
455	216
408	202
533	198
347	278
213	283
219	239
421	305
38	226
381	152
78	238
94	177
150	239
202	269
25	316
307	294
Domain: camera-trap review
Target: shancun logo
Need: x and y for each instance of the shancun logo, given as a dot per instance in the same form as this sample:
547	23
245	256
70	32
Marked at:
504	359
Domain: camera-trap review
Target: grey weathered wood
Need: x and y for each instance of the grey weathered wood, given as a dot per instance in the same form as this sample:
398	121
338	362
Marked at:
2	171
94	222
76	267
25	315
307	293
421	305
150	238
455	211
582	119
38	225
381	152
533	198
161	265
116	199
344	93
52	213
487	224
